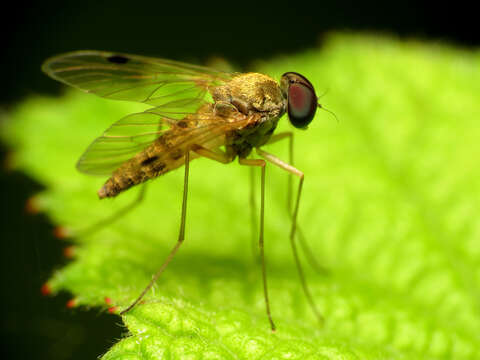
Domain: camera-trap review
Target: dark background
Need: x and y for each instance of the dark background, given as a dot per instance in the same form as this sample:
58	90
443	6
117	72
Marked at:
39	327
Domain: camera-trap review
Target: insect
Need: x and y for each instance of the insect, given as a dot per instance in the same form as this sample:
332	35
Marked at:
197	112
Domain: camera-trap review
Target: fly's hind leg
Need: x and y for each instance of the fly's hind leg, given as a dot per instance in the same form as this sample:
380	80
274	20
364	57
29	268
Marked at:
303	242
113	217
214	155
181	237
276	161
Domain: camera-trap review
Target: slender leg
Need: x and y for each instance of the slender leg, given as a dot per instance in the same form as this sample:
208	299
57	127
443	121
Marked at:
181	237
253	218
223	158
115	216
276	161
261	163
275	138
303	243
216	155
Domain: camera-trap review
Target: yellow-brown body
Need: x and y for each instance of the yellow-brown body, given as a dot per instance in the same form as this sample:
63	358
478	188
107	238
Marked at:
254	100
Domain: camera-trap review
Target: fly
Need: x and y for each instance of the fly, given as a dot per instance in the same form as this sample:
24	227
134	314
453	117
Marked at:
196	112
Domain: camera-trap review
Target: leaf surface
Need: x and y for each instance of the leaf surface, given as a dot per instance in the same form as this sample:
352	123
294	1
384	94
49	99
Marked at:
390	208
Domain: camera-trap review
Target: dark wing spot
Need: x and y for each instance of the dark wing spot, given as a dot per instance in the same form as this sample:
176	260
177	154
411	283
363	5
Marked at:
183	124
118	59
149	160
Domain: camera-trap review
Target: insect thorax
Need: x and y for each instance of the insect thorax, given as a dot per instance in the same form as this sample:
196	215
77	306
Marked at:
255	95
241	142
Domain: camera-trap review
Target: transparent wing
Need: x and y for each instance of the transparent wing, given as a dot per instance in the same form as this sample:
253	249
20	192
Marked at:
132	77
122	141
175	130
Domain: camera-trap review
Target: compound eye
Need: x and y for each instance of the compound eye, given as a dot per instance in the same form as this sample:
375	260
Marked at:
302	104
301	99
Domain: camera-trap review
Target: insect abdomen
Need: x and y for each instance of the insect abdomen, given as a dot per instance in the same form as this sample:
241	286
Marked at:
146	165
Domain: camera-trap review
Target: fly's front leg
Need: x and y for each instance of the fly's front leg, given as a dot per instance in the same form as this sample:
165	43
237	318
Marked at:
181	237
292	170
303	243
275	138
261	163
224	158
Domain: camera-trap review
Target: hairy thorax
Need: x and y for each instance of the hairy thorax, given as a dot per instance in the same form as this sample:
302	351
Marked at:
255	95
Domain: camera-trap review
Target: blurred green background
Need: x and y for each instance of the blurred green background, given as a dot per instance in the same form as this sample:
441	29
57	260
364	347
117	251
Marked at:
33	326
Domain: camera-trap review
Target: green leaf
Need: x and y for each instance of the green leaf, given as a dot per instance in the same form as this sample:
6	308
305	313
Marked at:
390	208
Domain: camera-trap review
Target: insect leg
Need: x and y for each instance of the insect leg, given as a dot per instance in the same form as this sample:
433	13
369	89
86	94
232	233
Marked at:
261	163
216	155
115	216
181	237
253	219
224	158
287	167
275	138
303	243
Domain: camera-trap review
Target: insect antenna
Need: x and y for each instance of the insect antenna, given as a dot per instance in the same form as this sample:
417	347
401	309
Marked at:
323	94
322	107
329	111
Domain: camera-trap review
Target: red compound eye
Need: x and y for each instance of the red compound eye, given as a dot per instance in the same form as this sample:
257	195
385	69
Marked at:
301	98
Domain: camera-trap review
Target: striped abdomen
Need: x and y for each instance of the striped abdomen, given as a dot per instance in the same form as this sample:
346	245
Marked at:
157	159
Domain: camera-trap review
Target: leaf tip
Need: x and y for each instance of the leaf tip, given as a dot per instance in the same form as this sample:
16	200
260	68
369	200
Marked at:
71	303
62	232
46	289
9	162
113	310
32	205
69	252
